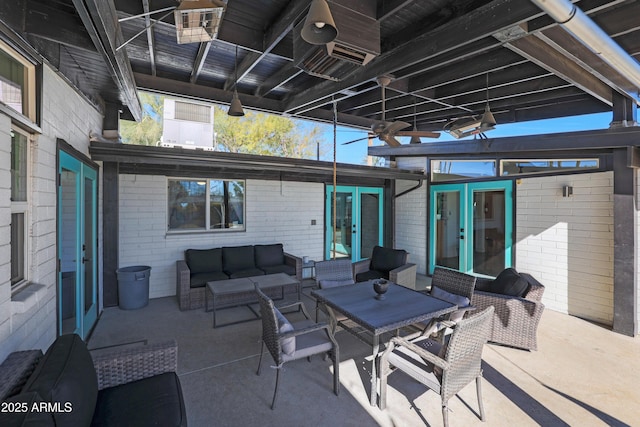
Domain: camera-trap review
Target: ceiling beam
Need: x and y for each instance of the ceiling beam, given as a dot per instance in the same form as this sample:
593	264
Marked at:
55	25
198	62
150	37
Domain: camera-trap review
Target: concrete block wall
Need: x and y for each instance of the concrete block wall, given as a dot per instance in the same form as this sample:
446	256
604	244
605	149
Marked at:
567	242
412	216
275	212
28	318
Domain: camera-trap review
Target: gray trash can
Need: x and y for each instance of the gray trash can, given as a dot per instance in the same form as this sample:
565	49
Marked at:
133	286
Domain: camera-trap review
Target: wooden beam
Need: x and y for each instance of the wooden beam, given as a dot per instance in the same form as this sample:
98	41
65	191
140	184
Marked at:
150	37
198	63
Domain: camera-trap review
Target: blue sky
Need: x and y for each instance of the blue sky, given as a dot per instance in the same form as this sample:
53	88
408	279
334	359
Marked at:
356	153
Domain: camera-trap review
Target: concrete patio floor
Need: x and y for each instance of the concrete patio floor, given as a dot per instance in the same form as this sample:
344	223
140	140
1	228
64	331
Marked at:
582	375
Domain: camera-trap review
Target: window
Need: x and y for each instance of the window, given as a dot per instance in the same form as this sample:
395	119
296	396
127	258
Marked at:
452	170
17	82
19	205
535	166
189	198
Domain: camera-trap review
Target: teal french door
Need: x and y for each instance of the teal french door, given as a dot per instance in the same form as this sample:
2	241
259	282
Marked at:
77	246
471	227
359	222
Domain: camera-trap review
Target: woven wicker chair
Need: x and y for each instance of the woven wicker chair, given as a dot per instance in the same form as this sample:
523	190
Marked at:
444	369
332	273
516	319
404	274
287	342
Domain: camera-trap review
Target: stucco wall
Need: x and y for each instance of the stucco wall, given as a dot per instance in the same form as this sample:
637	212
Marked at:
28	318
567	242
276	212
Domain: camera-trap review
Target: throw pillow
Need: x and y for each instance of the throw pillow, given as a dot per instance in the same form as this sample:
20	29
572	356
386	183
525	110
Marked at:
509	282
324	284
288	344
387	259
269	255
204	260
461	301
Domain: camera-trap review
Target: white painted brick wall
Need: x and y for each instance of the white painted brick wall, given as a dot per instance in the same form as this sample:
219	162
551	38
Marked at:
66	115
567	243
275	212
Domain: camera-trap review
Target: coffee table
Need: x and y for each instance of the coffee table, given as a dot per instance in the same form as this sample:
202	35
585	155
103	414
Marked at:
400	307
246	285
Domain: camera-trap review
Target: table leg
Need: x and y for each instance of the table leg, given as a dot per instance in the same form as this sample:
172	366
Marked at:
374	373
213	302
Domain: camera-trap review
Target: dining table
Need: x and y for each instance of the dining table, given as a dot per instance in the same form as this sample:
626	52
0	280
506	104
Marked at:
359	309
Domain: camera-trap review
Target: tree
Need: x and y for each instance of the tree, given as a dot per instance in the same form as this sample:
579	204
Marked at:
255	133
149	130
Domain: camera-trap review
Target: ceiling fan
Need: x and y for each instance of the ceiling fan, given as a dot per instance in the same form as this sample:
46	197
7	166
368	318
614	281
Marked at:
387	131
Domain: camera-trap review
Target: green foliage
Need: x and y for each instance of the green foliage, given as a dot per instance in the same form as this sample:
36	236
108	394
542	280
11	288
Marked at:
255	133
149	130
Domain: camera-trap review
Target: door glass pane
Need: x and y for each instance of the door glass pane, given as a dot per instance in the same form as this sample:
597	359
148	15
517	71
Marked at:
88	246
488	232
69	264
369	223
344	225
448	229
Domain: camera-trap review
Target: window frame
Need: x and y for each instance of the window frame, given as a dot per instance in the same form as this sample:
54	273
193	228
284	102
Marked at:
29	86
22	207
207	211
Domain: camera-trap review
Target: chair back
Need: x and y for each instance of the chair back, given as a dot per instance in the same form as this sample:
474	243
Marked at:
270	329
454	282
334	270
464	352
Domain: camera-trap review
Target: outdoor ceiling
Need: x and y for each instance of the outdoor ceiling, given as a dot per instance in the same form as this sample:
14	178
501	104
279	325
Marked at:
440	54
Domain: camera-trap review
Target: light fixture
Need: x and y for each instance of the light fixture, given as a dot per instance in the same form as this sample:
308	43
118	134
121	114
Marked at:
198	20
319	27
414	139
487	122
235	108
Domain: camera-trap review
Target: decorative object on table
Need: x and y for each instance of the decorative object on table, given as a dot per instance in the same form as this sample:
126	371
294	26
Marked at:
380	286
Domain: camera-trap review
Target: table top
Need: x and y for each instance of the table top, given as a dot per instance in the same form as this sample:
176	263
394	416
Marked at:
400	307
229	286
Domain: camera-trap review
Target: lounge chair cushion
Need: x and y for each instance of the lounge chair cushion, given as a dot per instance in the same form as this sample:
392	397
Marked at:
324	284
509	282
203	260
288	344
269	255
371	274
237	258
387	259
152	401
66	374
461	301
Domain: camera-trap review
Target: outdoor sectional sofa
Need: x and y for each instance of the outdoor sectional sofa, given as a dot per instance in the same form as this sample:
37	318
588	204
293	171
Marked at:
71	386
518	307
230	262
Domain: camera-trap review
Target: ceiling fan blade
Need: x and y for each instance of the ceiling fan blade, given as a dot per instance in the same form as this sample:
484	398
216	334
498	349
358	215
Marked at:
419	133
395	127
389	139
356	140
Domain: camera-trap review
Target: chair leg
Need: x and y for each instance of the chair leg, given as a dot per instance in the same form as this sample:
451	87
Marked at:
260	359
479	391
275	392
445	414
336	372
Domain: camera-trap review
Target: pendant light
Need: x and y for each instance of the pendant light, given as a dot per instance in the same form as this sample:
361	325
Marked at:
235	108
487	122
319	27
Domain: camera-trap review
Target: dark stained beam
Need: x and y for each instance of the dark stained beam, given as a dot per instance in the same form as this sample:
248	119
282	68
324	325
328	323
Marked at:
150	37
480	23
284	75
47	22
198	63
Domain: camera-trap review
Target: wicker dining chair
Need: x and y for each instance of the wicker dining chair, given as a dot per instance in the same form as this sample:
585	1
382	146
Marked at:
445	369
291	341
330	274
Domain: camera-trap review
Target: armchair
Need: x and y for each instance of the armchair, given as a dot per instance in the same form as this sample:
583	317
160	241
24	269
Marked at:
387	263
291	341
445	369
516	318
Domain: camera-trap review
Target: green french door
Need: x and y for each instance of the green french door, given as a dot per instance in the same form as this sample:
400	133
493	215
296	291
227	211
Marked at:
77	246
471	227
359	225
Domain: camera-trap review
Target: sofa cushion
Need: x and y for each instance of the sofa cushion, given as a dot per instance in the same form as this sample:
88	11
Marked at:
200	280
250	272
287	269
153	401
509	282
371	274
237	258
66	375
25	416
288	344
387	259
269	255
203	260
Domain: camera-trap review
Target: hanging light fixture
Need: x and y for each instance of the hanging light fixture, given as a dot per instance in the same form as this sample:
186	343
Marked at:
415	139
198	20
319	27
235	108
487	122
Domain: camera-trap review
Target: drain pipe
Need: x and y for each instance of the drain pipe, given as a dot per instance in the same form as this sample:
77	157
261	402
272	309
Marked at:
578	24
408	190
